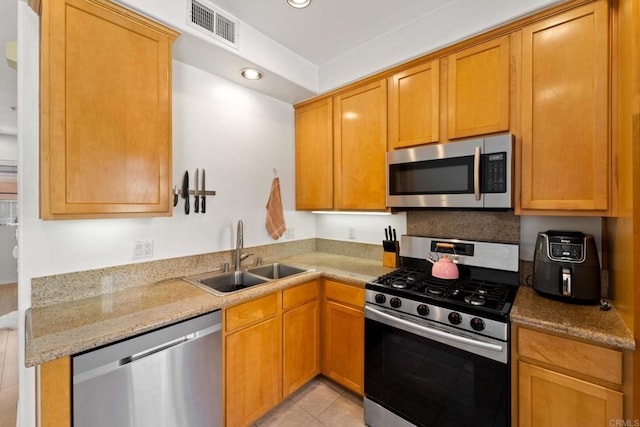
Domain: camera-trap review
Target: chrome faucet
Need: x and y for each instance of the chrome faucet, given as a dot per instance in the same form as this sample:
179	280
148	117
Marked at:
240	245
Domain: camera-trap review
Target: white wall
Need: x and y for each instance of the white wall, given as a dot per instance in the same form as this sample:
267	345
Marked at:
28	131
367	228
239	136
8	147
454	21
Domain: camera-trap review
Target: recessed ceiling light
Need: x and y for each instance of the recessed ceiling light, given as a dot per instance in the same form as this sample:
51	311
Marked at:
298	4
251	73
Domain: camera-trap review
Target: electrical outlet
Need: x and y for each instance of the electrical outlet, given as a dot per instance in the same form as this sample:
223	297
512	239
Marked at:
290	233
143	249
352	232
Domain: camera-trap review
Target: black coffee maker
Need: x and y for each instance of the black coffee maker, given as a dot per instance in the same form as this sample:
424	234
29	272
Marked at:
566	267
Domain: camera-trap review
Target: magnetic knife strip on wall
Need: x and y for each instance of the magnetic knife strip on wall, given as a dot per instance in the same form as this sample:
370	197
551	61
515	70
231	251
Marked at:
200	193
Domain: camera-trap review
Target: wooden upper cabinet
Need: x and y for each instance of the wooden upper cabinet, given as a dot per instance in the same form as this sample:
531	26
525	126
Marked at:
414	106
478	89
314	155
105	143
360	141
565	127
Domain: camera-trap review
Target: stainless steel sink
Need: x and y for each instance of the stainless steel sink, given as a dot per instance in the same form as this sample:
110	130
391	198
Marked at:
276	270
223	283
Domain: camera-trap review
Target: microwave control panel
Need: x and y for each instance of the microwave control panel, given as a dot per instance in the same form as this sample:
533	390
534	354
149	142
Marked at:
494	173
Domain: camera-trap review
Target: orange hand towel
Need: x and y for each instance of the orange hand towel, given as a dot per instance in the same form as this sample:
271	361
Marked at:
275	217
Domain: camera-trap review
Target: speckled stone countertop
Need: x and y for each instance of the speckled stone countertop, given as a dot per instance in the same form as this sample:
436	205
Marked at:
580	321
72	327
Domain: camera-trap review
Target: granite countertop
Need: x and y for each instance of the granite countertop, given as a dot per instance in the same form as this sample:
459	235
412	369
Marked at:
72	327
580	321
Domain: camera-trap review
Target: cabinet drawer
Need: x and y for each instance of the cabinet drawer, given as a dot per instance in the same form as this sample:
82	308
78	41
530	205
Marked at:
300	294
250	312
344	293
583	358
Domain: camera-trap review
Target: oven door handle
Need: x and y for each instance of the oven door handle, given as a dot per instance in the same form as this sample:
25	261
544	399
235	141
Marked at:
407	326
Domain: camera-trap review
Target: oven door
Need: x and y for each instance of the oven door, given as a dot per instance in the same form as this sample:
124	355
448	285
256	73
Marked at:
419	373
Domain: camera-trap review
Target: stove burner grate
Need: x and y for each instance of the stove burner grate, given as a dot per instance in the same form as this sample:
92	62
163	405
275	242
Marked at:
478	293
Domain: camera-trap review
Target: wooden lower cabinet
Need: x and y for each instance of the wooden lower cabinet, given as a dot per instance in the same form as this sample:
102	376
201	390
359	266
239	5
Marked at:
300	337
271	349
560	381
549	398
252	359
54	390
343	335
253	364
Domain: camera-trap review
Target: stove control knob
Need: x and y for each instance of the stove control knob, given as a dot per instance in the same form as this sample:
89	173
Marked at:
477	324
455	318
395	302
423	310
380	298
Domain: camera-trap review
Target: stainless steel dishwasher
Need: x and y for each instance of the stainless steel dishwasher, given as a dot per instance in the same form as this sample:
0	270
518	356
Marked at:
169	377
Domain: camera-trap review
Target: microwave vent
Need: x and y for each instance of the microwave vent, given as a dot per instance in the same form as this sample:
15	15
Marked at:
206	18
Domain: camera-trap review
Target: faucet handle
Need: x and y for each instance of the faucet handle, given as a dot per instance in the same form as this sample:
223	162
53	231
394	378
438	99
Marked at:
258	260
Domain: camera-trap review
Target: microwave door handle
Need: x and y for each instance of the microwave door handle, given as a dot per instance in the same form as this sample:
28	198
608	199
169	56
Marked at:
476	173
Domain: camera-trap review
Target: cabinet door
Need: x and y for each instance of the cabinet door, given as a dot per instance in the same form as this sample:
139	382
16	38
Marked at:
360	141
478	89
565	141
253	372
301	346
414	106
55	386
314	155
547	398
105	112
343	345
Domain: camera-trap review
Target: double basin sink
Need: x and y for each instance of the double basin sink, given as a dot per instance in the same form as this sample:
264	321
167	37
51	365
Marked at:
224	283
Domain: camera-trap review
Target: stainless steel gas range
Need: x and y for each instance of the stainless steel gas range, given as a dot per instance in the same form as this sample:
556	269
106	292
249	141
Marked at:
437	350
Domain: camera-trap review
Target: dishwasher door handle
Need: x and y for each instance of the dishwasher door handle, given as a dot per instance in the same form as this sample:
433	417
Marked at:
168	345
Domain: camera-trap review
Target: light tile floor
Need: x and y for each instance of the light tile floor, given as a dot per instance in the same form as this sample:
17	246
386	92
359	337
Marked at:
8	377
319	403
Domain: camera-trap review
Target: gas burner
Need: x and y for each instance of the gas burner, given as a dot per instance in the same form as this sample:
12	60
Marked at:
435	291
475	300
399	284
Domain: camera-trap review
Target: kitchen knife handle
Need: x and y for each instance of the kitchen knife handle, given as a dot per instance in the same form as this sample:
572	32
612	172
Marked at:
203	202
186	204
196	204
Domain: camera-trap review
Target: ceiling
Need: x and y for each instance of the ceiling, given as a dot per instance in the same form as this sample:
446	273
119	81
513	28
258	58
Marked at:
327	28
8	76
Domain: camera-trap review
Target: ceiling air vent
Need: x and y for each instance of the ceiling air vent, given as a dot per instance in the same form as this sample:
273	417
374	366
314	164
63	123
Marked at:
206	18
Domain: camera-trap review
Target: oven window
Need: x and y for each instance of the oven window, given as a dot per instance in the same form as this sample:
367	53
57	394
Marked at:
431	384
442	176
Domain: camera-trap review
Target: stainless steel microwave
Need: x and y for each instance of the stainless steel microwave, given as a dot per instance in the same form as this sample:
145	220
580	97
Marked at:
475	173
